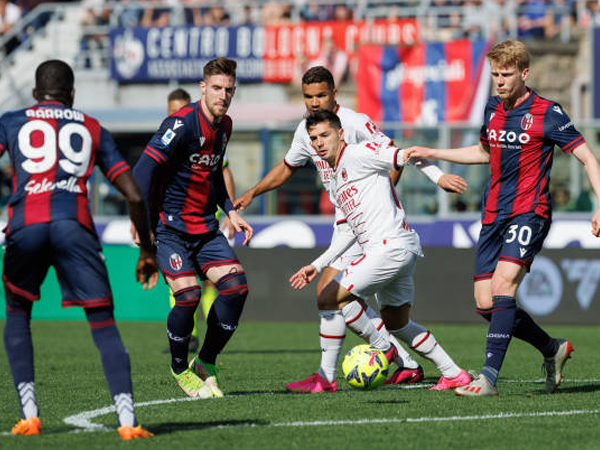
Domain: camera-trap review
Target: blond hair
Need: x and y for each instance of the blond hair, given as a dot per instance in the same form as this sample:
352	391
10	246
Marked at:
509	53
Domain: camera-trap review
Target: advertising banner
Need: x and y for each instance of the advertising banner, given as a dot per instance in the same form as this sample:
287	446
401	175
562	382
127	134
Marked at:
561	288
263	53
426	83
180	53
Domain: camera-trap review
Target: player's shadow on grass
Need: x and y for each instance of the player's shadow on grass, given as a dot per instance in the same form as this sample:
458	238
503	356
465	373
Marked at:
172	427
270	352
581	389
256	392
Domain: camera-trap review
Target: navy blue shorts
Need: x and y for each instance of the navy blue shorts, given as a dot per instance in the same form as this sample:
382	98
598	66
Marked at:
517	240
73	251
183	255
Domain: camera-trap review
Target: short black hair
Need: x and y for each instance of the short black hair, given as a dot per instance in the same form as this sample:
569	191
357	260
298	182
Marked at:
318	74
54	80
54	75
179	94
323	115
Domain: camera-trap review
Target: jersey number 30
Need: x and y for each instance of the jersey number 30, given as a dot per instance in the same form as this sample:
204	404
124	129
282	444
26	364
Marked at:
43	158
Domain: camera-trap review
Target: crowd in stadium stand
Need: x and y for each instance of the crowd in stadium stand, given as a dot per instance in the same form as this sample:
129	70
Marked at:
450	18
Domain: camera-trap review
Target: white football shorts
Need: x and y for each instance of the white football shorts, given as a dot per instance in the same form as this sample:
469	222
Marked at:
383	270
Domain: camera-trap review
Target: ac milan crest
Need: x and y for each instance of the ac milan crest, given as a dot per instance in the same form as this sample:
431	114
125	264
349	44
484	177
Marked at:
175	261
526	122
344	174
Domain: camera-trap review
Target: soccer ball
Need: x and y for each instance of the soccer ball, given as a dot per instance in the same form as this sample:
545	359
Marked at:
365	367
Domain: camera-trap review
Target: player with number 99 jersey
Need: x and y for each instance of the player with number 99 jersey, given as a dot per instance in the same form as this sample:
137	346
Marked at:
53	151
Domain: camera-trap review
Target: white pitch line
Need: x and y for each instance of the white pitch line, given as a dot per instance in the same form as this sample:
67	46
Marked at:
83	420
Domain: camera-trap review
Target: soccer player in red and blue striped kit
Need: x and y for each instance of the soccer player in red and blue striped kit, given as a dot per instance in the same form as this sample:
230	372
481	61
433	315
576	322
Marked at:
517	139
53	149
188	151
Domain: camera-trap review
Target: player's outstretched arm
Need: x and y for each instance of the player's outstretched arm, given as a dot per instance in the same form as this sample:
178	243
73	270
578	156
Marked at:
146	269
272	180
303	277
452	183
448	182
585	155
241	225
474	154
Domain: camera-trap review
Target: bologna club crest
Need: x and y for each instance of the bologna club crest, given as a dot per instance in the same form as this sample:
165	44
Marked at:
526	122
175	261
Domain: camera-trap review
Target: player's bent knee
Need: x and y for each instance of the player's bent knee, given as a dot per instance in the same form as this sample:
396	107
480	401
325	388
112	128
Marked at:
188	297
326	303
228	306
16	303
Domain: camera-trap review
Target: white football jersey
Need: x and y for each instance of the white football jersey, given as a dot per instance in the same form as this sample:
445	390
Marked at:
363	192
357	128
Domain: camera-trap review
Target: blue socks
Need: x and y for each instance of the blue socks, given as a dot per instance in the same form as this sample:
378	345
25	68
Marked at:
499	335
115	361
224	315
19	350
528	330
180	324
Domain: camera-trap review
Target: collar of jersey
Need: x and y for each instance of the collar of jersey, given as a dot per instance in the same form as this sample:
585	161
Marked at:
203	117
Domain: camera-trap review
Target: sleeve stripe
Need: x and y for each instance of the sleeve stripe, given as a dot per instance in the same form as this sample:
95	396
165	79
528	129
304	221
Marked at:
291	166
155	155
396	166
573	144
116	167
118	172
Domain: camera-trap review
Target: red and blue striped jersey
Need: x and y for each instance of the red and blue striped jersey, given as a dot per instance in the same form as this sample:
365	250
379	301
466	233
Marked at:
186	157
53	150
521	143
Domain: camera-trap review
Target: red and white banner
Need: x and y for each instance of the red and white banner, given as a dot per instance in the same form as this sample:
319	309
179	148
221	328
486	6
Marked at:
285	43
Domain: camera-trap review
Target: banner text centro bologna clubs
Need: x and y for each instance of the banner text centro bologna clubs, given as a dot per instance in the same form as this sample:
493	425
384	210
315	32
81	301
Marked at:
263	53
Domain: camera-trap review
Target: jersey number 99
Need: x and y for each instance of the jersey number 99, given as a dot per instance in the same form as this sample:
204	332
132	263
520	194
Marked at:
43	158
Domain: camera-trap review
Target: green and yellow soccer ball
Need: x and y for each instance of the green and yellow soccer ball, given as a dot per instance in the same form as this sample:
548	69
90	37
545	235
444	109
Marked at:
365	367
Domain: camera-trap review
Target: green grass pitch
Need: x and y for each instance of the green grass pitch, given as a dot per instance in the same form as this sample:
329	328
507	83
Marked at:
258	413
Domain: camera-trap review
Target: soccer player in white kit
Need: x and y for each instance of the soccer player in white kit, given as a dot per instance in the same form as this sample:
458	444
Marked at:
361	188
319	94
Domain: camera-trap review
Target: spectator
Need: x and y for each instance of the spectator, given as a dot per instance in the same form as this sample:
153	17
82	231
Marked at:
41	19
331	57
216	15
157	16
532	19
96	14
276	13
560	13
591	14
474	21
314	12
9	15
128	12
341	13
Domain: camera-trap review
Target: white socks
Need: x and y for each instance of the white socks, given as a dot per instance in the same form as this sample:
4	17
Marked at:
357	321
404	359
332	331
27	399
423	342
